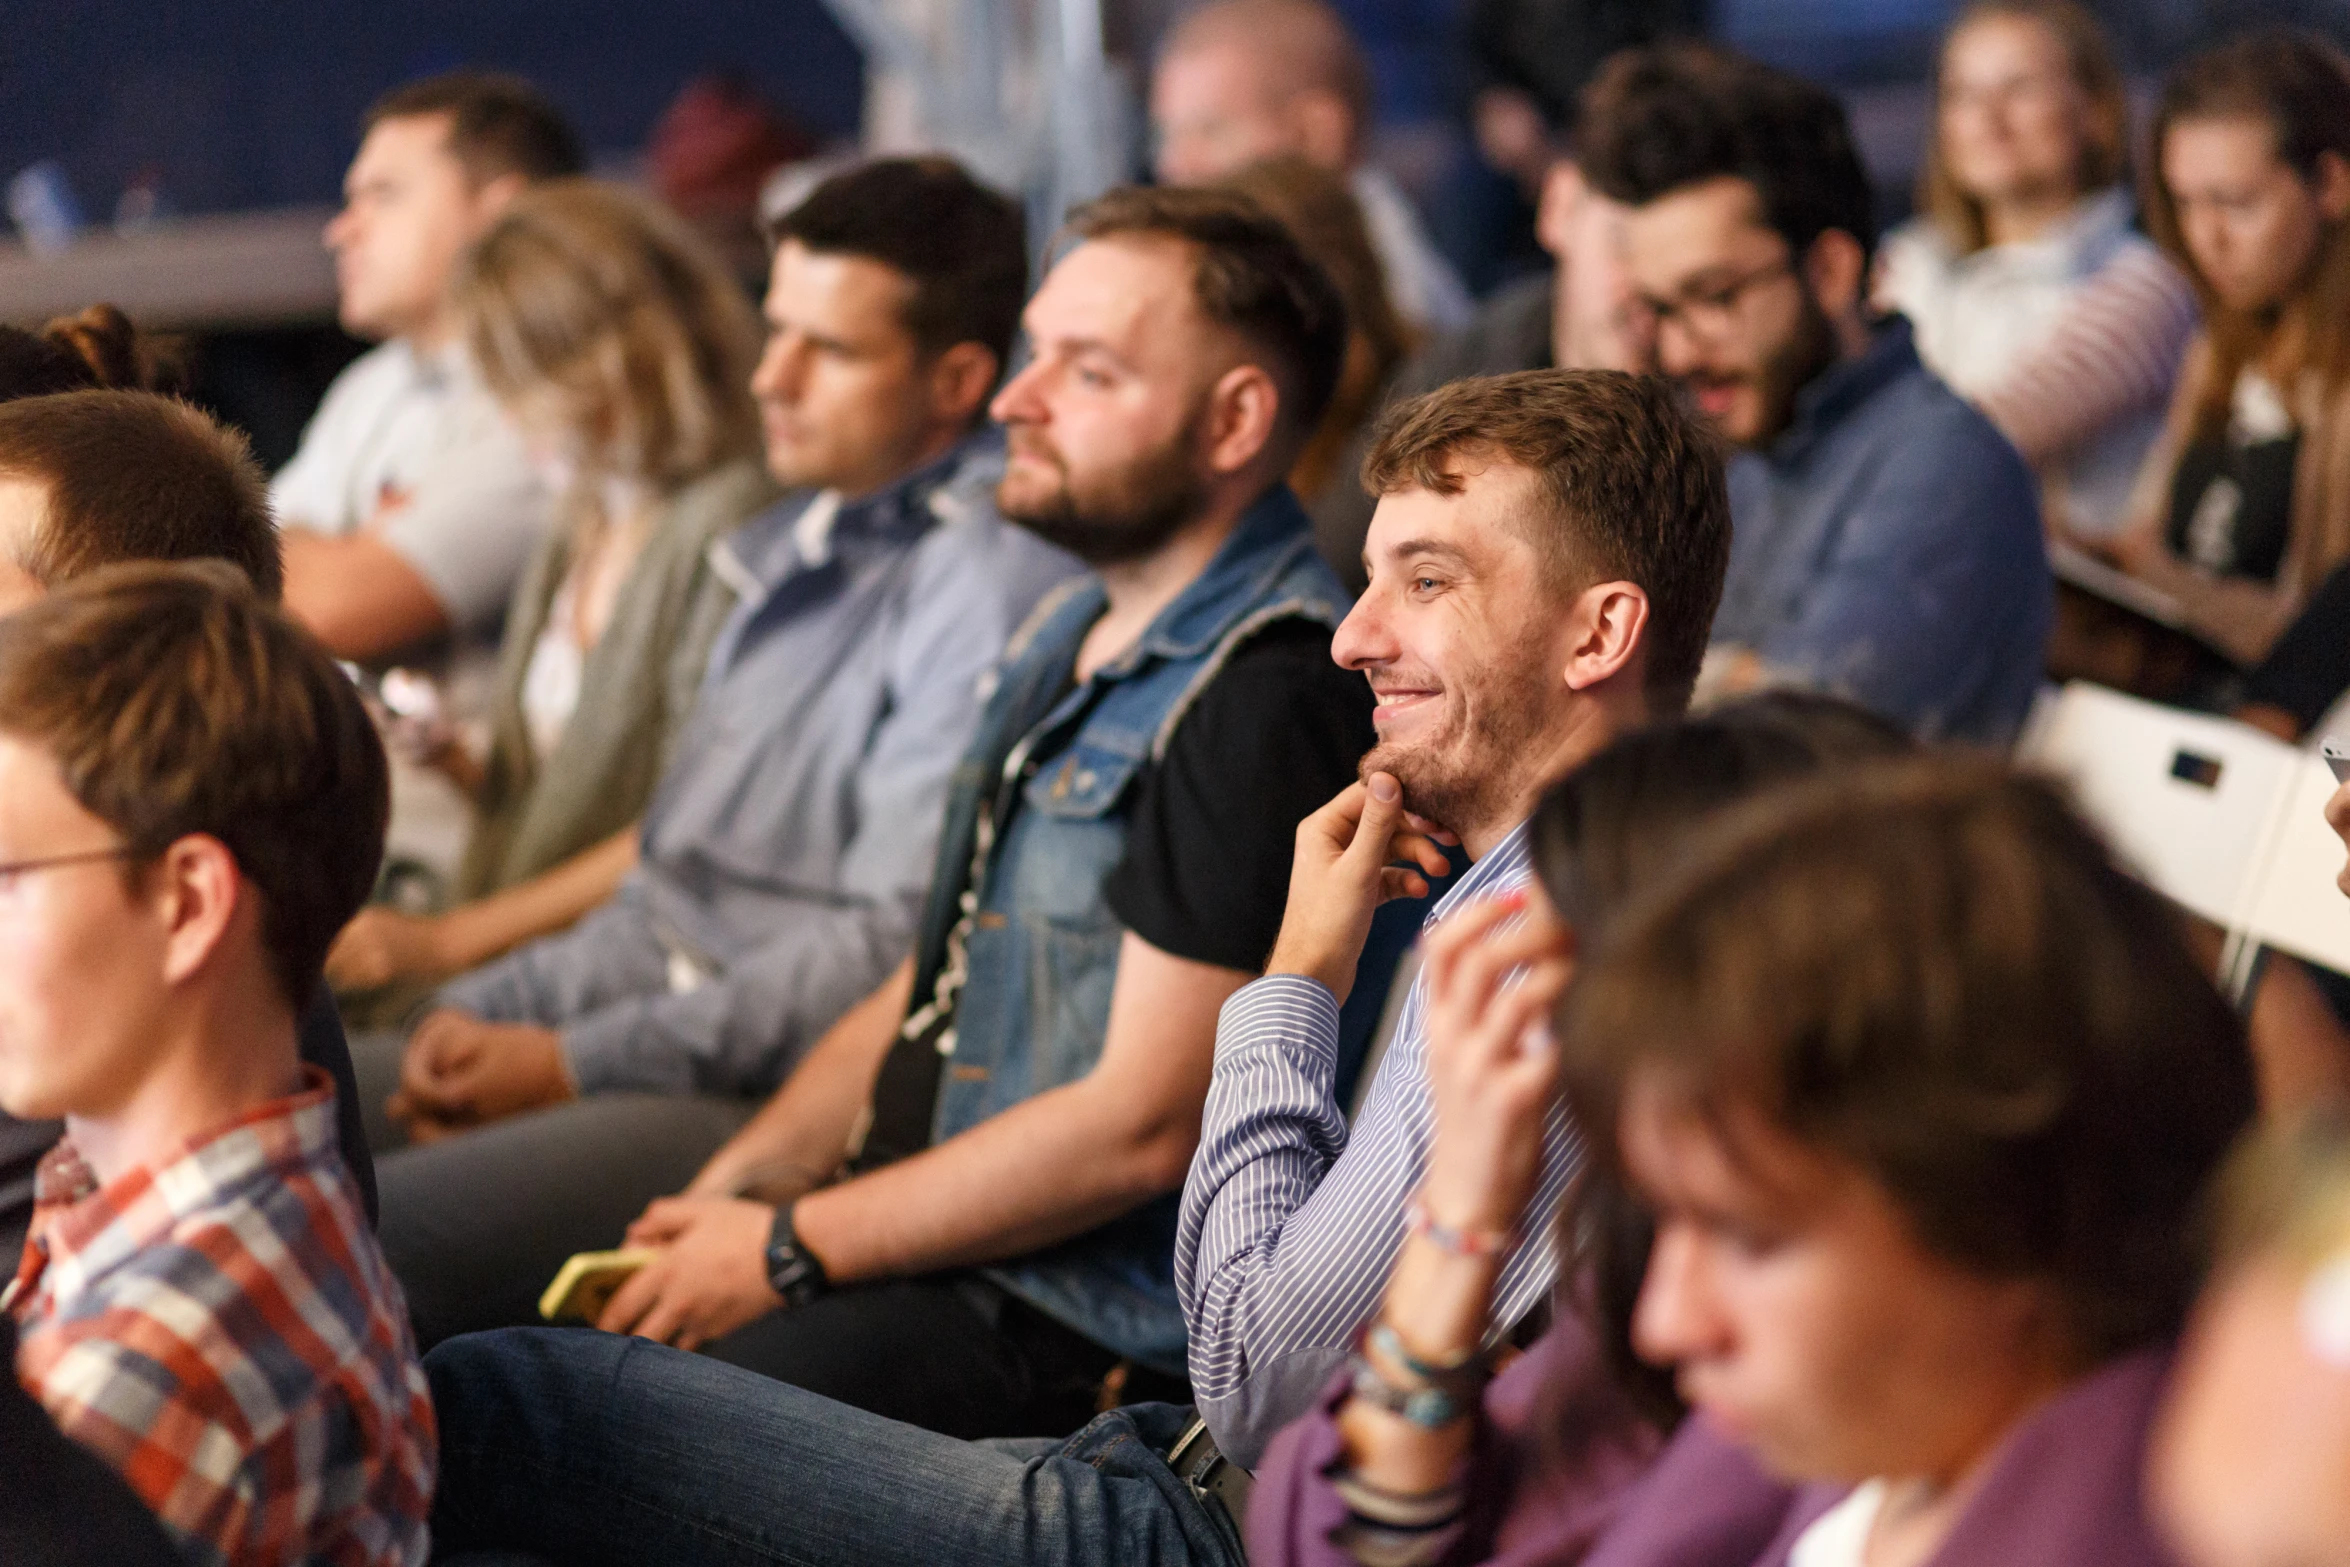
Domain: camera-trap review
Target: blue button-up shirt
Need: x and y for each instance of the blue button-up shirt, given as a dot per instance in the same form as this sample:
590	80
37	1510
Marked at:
789	845
1887	547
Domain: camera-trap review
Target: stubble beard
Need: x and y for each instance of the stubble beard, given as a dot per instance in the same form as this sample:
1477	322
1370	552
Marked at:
1471	775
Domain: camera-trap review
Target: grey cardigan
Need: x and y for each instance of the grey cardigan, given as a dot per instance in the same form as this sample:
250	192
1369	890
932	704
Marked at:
636	687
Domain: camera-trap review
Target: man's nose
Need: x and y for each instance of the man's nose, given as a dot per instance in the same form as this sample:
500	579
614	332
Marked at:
1363	638
1017	400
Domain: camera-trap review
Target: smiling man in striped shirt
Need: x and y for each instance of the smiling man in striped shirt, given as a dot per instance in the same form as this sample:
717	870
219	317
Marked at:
1544	564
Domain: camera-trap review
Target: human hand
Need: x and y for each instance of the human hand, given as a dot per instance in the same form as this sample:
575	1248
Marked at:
381	946
1492	1063
461	1072
710	1278
1346	866
2338	818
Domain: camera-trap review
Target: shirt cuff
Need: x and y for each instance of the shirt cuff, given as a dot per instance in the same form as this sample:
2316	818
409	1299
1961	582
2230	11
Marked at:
1276	1011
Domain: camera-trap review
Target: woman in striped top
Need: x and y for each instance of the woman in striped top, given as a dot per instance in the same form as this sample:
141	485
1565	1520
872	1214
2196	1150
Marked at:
2030	293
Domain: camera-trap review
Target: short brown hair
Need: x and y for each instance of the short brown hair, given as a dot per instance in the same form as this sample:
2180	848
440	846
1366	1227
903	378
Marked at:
961	246
175	702
134	476
1634	486
498	124
1249	275
1932	970
614	302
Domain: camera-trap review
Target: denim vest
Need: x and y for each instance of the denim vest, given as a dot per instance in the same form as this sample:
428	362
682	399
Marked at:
1036	820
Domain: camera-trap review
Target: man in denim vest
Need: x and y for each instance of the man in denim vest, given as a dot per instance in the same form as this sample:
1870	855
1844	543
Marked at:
1016	1106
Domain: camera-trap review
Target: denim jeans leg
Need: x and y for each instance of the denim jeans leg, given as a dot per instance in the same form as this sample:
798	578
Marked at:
588	1448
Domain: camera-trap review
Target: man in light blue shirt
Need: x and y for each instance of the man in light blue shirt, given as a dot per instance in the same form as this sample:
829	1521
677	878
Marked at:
785	854
1888	544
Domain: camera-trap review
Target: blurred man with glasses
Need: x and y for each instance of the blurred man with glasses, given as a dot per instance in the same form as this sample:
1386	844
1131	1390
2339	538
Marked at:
1888	544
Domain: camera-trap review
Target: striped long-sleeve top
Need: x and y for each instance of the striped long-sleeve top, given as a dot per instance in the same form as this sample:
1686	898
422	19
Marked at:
1290	1221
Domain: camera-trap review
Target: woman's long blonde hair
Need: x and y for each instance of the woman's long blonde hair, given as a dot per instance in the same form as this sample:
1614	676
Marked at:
2104	145
612	303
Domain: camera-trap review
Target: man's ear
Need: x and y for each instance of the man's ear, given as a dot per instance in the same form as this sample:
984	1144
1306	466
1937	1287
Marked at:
2331	186
197	889
495	194
961	379
1244	409
1835	269
1607	633
1324	128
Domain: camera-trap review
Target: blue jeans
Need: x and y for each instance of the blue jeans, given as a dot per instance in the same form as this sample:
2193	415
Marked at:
586	1447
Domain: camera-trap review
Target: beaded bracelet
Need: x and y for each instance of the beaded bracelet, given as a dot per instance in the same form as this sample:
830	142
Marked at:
1456	1243
1447	1391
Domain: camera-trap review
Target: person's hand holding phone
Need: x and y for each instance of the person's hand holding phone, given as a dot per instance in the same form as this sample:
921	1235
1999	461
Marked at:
2337	757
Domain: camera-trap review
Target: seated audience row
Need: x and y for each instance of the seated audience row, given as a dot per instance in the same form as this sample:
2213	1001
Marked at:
784	849
929	873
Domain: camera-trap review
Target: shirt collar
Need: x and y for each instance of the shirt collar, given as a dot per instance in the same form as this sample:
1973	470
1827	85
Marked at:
80	1228
1507	864
1835	393
1262	544
810	528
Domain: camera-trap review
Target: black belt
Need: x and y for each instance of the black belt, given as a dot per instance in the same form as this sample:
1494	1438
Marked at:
1212	1477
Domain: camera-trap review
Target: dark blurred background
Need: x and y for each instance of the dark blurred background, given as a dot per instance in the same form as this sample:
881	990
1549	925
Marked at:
152	112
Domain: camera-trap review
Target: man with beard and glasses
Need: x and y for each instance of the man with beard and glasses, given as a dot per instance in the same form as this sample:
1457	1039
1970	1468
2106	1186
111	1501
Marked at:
1888	537
1544	562
1017	1105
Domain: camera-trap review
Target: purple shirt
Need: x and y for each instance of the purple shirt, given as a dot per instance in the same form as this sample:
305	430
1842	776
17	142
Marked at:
2064	1491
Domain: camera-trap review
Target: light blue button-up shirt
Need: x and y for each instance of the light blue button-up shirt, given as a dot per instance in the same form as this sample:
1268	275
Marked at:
789	845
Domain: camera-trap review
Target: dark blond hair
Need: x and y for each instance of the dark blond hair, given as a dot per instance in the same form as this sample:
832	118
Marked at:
1249	275
614	303
2088	60
2299	86
175	702
1931	971
1633	489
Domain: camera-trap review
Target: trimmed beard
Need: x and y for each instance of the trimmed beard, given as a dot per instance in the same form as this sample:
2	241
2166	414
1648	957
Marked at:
1135	512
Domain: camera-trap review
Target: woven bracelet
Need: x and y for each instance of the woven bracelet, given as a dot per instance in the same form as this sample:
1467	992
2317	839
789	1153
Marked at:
1456	1243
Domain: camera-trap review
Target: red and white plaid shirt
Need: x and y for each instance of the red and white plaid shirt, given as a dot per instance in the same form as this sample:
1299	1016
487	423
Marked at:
221	1328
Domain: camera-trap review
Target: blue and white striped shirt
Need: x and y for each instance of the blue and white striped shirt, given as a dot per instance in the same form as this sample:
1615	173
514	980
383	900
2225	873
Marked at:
1290	1223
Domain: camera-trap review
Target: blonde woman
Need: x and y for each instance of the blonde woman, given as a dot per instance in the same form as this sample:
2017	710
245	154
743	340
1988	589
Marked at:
622	351
2031	294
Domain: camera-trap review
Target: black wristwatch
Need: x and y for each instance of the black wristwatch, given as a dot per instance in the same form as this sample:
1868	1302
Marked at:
792	1269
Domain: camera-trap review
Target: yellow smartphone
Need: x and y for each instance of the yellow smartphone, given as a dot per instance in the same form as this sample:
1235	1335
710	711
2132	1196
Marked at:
586	1283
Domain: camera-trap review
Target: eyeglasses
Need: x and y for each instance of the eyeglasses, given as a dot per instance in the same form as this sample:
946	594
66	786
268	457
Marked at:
11	870
1710	313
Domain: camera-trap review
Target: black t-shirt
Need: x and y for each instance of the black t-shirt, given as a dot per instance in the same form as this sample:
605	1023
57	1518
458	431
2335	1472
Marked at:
1209	836
2232	505
1214	826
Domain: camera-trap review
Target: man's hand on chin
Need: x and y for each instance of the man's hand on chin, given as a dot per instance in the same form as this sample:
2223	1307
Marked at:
462	1072
1353	854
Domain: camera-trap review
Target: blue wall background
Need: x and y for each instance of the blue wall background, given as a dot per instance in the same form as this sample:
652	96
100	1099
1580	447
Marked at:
252	103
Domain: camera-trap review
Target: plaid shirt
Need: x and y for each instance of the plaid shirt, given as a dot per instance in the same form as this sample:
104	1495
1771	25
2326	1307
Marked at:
221	1328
